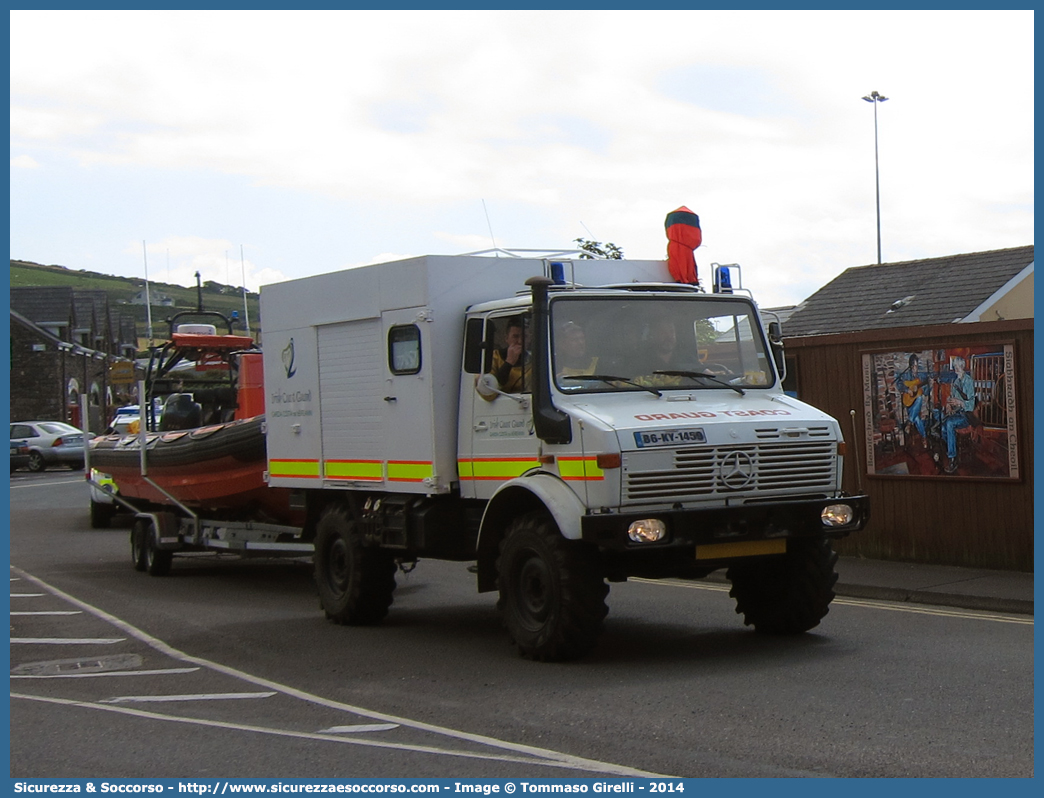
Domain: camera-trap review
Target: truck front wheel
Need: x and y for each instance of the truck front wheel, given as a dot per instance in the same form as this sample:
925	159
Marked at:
552	596
355	582
788	594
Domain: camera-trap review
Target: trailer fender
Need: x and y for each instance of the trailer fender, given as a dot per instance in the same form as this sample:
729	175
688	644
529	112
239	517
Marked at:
529	493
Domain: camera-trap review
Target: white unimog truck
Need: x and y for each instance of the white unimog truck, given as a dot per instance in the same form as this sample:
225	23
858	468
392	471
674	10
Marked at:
566	424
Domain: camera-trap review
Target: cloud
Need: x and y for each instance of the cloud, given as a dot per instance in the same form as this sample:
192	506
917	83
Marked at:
607	119
24	162
176	259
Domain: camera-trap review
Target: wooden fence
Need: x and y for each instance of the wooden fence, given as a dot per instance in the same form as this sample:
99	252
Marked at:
951	519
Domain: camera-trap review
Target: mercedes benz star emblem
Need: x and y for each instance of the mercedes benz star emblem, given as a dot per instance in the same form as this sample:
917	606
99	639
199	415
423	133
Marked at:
737	470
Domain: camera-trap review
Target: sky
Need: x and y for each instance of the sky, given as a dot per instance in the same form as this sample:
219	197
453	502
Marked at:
260	146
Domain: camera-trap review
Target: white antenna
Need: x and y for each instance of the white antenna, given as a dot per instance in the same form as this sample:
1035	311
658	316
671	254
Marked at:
148	301
490	226
246	310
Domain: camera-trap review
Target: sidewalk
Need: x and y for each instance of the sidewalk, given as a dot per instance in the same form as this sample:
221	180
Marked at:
945	585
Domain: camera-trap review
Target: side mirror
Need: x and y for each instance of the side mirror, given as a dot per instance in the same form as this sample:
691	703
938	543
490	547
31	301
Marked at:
775	334
775	331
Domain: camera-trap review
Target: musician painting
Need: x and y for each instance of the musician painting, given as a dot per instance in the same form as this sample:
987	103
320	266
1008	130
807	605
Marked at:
959	411
914	386
944	411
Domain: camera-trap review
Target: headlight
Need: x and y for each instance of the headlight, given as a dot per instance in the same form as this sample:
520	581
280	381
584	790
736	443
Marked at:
648	530
837	515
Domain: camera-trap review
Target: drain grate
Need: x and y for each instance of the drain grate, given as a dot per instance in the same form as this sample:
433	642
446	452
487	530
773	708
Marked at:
59	667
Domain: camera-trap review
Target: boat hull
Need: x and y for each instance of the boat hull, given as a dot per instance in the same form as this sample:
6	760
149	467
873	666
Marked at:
215	468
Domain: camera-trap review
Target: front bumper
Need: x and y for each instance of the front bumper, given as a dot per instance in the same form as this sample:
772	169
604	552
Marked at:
690	528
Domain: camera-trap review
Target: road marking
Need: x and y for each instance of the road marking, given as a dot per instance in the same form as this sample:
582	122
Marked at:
532	754
160	672
27	595
556	759
50	612
68	641
80	481
359	728
678	583
891	606
160	699
930	610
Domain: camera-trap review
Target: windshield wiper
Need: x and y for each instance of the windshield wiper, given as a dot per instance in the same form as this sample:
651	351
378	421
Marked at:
703	375
609	378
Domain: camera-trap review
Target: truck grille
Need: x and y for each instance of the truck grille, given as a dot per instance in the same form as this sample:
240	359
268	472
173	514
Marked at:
730	471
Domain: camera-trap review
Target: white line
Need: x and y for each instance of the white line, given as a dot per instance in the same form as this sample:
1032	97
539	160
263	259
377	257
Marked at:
161	672
917	609
80	481
50	612
928	610
360	728
676	583
69	641
566	762
554	758
27	595
161	699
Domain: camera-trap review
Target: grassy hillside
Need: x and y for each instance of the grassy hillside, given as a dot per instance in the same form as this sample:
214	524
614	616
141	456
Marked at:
222	298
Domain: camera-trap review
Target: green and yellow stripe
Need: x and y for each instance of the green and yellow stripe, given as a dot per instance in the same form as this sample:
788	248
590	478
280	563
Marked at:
579	469
354	470
302	469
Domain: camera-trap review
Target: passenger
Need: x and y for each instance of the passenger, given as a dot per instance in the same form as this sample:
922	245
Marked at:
571	358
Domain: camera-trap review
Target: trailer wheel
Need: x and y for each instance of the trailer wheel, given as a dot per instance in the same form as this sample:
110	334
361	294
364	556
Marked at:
355	582
552	597
789	594
138	544
157	560
101	514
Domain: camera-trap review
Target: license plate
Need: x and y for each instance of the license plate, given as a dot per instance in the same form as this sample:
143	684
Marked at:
668	437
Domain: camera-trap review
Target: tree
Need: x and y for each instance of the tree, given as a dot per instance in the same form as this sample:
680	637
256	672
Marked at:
596	250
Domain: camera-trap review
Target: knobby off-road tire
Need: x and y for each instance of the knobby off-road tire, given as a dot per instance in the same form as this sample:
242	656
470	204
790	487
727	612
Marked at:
789	594
355	582
552	596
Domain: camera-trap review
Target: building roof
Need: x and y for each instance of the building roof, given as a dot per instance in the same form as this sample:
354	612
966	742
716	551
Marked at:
911	293
52	305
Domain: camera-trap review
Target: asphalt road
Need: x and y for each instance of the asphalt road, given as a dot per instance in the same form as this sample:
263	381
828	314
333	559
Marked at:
237	674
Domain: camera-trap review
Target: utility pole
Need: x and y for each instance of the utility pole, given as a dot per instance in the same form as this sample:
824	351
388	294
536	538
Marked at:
875	98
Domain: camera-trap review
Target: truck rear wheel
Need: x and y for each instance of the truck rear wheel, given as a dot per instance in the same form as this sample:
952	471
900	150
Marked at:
355	582
157	561
789	594
138	543
552	597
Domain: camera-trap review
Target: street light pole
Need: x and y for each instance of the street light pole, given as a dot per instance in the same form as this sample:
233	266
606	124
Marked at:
876	98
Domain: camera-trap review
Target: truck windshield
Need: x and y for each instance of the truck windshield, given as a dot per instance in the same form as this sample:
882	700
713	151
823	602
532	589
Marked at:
635	343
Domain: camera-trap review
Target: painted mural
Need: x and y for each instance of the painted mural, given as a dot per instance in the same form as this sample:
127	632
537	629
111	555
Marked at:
946	412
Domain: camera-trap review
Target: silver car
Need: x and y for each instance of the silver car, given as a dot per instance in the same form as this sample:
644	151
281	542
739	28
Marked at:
49	443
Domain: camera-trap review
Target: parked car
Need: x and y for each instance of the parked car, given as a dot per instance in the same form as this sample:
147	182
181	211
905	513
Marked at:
19	455
49	443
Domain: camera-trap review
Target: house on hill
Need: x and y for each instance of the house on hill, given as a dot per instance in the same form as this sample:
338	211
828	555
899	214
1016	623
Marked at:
930	365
